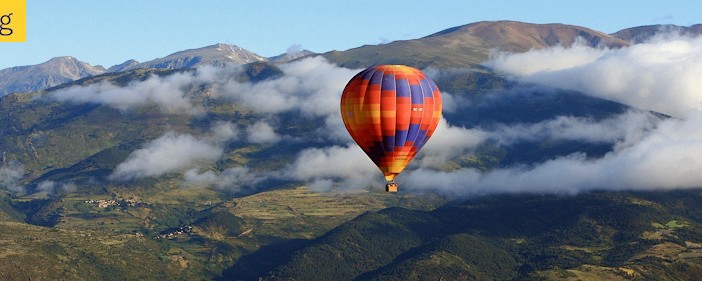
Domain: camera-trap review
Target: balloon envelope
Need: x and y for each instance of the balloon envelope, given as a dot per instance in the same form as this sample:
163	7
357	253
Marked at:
391	111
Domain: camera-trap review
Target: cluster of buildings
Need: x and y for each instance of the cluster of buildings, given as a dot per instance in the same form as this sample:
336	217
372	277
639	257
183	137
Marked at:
172	234
104	203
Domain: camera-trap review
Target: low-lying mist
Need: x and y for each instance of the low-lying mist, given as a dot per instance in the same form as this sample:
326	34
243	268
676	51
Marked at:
649	151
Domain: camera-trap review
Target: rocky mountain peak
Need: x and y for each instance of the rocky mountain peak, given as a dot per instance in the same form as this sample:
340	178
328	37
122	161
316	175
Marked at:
53	72
122	66
289	56
219	55
644	33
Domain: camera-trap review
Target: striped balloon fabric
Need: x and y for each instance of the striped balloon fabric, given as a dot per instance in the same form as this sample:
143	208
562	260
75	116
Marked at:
391	111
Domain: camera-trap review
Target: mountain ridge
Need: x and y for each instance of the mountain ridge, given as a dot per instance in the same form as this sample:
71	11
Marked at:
471	44
60	70
56	71
467	46
640	34
122	66
517	36
218	55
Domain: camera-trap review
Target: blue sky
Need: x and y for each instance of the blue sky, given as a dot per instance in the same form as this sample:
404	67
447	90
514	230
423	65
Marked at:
110	32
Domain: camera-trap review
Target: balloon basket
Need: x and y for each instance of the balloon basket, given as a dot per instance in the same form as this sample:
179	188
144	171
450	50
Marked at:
391	187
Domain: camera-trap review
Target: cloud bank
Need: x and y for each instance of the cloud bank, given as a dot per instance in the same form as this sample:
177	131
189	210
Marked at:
311	88
649	152
169	93
623	129
660	75
663	159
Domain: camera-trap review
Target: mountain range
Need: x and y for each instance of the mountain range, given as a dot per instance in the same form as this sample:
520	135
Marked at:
60	70
165	170
466	45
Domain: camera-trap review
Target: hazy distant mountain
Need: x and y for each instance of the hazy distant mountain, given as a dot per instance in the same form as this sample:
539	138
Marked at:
61	70
122	66
286	57
54	72
643	33
465	45
215	55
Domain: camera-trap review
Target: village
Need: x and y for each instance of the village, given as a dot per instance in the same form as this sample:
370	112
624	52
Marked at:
185	230
104	203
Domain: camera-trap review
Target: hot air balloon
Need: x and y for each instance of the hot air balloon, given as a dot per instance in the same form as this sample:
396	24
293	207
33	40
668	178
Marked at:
391	111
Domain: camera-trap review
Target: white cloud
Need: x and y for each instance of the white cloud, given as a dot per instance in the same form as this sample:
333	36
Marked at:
629	126
170	153
10	175
661	75
664	159
312	86
168	93
46	186
261	132
448	142
233	179
222	132
545	60
336	167
50	187
175	152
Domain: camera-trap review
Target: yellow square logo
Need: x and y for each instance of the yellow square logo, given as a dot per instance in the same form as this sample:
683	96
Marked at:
13	20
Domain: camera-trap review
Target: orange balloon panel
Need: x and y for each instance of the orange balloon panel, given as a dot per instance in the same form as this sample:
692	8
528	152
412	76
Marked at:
391	111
